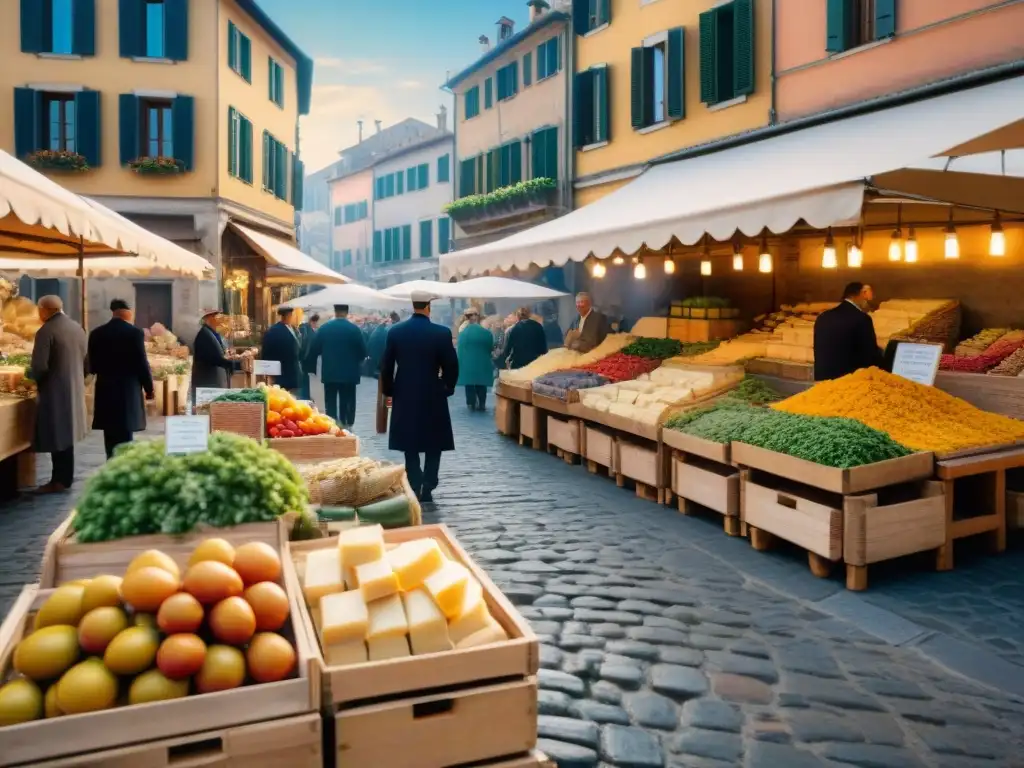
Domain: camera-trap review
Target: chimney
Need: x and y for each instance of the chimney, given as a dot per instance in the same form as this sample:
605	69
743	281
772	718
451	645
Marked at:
485	44
442	118
505	29
360	123
377	123
537	9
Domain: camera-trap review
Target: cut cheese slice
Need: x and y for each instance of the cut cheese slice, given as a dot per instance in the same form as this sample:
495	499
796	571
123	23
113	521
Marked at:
345	617
346	654
415	560
428	629
387	618
376	579
384	648
472	616
361	545
492	633
448	587
323	574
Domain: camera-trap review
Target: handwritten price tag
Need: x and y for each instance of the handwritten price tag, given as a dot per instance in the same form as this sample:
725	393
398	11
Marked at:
186	434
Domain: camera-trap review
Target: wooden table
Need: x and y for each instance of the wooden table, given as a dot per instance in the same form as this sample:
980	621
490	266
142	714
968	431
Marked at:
17	425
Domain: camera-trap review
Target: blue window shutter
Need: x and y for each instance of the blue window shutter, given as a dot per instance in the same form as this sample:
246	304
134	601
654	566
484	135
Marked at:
583	109
839	24
89	138
389	185
527	69
245	56
233	46
443	235
410	179
378	245
128	125
709	57
501	84
27	121
175	29
232	141
676	81
602	114
426	239
424	176
515	157
488	93
131	28
246	129
400	183
407	241
605	11
183	132
743	47
885	19
83	31
36	27
581	16
638	109
442	169
554	55
551	154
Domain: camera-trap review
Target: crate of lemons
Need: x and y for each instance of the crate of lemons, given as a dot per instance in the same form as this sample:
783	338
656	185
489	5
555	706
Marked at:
154	634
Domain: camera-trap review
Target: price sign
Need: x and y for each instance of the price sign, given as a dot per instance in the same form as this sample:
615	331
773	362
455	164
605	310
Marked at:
917	362
205	395
266	367
186	434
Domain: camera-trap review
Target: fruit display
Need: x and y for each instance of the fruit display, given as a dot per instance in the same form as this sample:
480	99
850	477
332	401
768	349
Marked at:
987	359
621	367
561	384
154	634
371	603
20	318
914	415
160	341
143	490
647	399
287	417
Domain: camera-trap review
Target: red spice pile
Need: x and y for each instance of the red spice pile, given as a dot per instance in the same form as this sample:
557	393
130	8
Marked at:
622	367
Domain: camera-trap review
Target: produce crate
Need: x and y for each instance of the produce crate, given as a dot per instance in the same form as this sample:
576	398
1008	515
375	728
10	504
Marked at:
439	709
564	437
178	720
783	369
248	419
404	488
701	329
522	393
533	426
644	465
17	422
1015	510
551	404
702	477
316	448
506	416
598	448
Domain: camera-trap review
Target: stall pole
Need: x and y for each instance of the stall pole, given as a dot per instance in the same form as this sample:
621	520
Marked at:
81	283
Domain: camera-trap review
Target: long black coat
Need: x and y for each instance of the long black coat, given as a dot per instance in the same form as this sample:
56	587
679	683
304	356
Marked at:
844	342
210	367
117	355
428	370
524	343
58	368
280	343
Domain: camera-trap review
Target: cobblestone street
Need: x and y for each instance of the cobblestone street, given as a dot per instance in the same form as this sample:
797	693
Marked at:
665	643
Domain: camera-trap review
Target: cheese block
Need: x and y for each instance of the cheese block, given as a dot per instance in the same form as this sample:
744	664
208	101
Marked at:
414	561
448	587
344	617
492	633
323	574
428	629
472	616
346	654
387	618
384	648
376	579
361	545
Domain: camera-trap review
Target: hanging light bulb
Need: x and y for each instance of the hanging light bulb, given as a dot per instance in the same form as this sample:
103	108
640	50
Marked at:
896	243
997	239
910	254
618	261
599	270
737	258
854	256
670	266
828	255
705	268
764	260
640	271
951	249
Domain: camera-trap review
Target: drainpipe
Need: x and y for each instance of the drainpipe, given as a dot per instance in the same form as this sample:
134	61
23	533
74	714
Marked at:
455	170
773	115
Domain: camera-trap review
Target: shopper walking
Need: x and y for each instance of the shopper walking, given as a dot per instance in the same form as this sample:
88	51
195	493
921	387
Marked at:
342	346
476	370
281	343
525	341
307	331
58	368
428	371
378	340
117	356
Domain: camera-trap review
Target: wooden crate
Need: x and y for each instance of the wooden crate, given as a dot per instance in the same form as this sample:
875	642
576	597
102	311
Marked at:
644	465
533	426
708	449
506	416
520	393
564	436
709	484
248	419
551	404
1015	510
29	743
598	448
17	424
316	448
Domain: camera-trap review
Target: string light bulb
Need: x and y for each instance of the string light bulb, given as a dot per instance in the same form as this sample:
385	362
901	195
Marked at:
828	254
737	258
951	247
764	259
997	239
705	268
896	242
854	256
618	261
599	270
670	266
640	271
910	252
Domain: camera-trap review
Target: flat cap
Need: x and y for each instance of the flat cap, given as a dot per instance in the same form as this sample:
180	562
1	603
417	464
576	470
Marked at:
422	297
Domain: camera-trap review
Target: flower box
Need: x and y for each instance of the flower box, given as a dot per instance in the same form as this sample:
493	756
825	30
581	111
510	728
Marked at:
157	166
50	160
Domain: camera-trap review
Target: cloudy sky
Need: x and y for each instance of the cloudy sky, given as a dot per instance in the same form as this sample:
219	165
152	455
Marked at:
382	60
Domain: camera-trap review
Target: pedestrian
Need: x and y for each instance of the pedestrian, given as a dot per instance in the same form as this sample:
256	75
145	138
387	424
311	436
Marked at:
428	370
341	345
281	343
307	331
117	356
525	341
211	368
378	340
476	369
58	369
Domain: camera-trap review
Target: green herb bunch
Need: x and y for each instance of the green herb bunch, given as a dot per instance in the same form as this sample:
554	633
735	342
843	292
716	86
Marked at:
657	349
754	391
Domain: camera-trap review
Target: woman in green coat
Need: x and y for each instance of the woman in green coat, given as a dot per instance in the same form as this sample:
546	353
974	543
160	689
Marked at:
476	372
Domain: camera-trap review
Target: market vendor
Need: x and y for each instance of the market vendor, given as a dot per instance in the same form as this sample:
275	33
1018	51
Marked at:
844	336
589	328
211	368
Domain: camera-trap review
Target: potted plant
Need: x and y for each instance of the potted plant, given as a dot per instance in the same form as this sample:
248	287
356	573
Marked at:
156	165
57	160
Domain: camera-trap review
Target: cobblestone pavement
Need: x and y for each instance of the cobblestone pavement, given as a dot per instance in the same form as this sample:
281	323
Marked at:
659	646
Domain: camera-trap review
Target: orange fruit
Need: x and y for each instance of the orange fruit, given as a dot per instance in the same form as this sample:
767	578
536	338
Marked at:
179	613
210	582
181	656
270	658
256	562
232	621
269	604
145	589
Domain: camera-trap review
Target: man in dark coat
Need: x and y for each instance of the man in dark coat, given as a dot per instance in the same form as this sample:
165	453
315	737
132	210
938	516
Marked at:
342	346
281	343
307	332
844	336
378	340
589	328
58	369
524	343
211	368
117	355
428	371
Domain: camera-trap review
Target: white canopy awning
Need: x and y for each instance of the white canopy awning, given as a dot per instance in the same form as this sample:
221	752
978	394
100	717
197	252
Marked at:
350	294
816	174
476	288
288	264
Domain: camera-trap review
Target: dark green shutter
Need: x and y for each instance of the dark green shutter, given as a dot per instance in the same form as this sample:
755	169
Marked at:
183	131
28	118
604	12
128	125
245	56
676	81
885	19
282	171
88	135
709	57
641	87
602	113
267	163
279	80
245	128
488	93
389	185
515	162
551	154
233	46
232	140
491	172
424	176
554	55
131	29
426	239
537	155
378	245
467	175
83	33
505	166
407	241
581	16
527	69
175	29
400	183
839	24
36	27
502	79
481	184
743	47
514	78
443	235
583	109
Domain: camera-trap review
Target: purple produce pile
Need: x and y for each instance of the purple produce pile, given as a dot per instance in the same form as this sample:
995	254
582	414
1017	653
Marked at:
560	383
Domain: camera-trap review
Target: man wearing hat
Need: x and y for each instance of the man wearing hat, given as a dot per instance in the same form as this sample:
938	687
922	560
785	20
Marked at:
341	345
211	368
117	355
281	343
428	370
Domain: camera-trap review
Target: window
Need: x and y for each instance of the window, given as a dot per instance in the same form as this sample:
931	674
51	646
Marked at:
407	241
418	177
591	118
338	219
588	15
488	93
275	77
396	243
378	245
59	125
544	154
727	52
657	79
239	146
239	52
66	27
549	58
426	239
508	81
354	212
443	234
275	166
444	171
346	258
467	177
527	69
149	29
155	29
62	25
471	102
853	23
157	129
389	185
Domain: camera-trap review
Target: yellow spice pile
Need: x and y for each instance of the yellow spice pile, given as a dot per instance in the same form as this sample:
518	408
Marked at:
919	417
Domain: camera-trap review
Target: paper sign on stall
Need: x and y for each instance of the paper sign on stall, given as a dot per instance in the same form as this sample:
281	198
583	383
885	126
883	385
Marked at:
186	434
266	367
206	395
917	362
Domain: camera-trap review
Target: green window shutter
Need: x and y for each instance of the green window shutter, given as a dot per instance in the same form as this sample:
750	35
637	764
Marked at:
426	239
83	32
245	57
387	245
554	55
389	185
839	24
527	69
481	186
400	183
443	169
245	128
407	241
551	154
743	47
131	28
233	46
488	93
378	245
515	162
641	87
581	16
505	165
27	121
424	176
676	81
604	11
513	77
502	94
183	131
175	29
602	114
537	154
885	19
542	62
443	235
267	163
36	29
232	138
88	135
491	171
583	109
709	57
128	125
467	177
337	217
270	79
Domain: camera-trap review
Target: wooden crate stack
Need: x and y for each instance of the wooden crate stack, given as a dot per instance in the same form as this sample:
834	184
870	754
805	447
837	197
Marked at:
702	477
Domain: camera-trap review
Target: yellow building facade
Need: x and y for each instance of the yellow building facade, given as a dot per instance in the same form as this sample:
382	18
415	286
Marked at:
180	114
654	77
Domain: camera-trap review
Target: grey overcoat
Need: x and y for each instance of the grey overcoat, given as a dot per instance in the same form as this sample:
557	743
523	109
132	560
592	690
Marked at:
58	368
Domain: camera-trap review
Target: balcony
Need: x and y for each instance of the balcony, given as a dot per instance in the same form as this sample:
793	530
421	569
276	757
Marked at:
525	203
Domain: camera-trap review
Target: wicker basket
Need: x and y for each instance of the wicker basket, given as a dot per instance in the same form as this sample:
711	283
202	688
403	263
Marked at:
308	450
379	483
939	327
248	419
